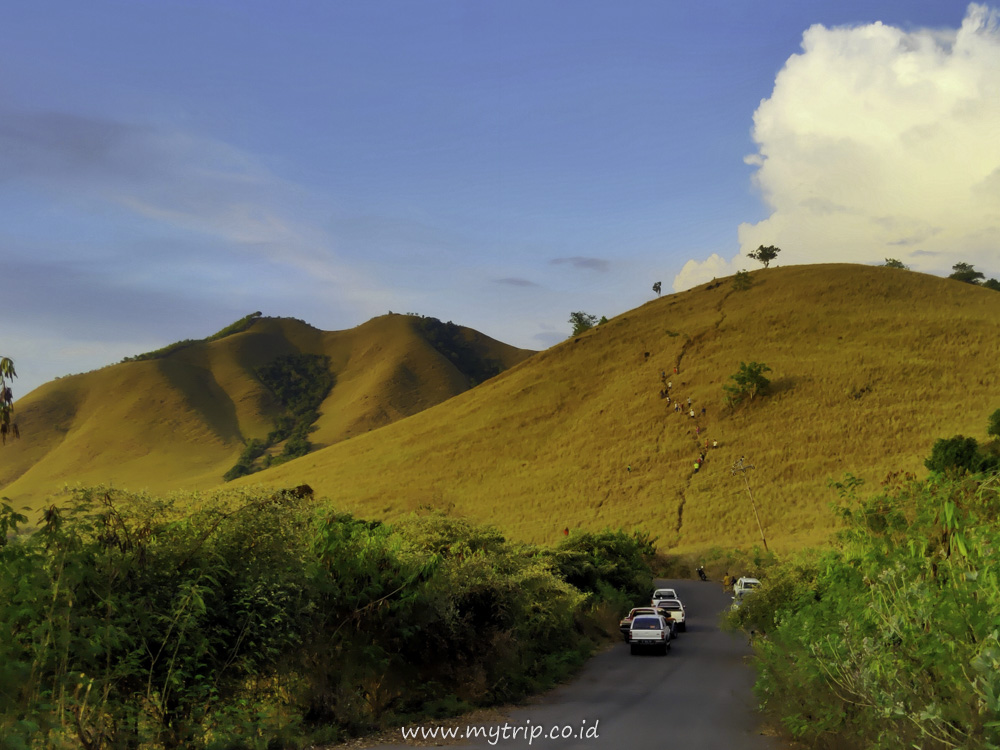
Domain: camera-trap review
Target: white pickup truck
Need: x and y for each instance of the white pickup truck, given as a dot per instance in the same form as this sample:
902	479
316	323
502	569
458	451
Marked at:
649	631
675	609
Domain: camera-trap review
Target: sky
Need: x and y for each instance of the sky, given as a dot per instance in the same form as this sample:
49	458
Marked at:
168	167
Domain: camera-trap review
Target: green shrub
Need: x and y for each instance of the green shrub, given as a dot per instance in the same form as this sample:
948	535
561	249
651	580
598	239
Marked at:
890	639
258	619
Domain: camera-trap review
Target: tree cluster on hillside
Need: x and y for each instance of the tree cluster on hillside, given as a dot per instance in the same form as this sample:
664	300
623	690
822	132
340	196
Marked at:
742	281
748	383
238	327
450	341
275	621
896	263
300	382
968	274
582	321
964	455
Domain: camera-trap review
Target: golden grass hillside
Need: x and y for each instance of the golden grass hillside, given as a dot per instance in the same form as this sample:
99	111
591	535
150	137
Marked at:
179	422
869	366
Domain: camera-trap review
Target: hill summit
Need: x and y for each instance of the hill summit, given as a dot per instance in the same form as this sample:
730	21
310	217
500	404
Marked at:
869	365
179	418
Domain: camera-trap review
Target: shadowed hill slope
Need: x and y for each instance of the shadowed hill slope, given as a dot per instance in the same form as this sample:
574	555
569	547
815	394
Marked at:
869	366
179	420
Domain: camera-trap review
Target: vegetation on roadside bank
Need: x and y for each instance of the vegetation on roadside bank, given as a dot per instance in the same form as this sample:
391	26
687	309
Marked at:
891	638
274	621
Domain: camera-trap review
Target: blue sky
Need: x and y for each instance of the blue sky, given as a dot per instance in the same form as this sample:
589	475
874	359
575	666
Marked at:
168	167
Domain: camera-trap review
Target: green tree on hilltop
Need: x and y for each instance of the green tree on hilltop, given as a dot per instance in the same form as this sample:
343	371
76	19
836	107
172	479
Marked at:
967	273
765	254
894	263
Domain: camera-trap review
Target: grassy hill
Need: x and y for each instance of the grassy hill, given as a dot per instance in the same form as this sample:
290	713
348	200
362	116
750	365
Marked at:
178	418
869	366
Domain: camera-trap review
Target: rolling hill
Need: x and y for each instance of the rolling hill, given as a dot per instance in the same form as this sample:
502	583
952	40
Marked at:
178	419
869	366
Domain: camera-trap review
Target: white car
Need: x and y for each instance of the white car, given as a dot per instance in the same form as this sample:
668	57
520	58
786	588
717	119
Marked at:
649	631
676	611
744	586
665	594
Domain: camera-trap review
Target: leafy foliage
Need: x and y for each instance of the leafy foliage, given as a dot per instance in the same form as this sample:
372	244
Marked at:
895	263
889	640
992	284
748	382
966	272
581	322
257	619
742	281
7	373
993	424
764	254
657	287
300	382
450	341
958	454
238	327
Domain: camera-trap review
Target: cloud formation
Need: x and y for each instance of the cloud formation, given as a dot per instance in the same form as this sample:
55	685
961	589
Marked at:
514	281
590	264
185	182
878	142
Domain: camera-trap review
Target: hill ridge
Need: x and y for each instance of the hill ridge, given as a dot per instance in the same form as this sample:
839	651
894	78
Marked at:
179	419
577	436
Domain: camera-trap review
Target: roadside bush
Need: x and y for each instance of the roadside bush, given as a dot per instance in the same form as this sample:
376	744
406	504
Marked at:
257	619
890	640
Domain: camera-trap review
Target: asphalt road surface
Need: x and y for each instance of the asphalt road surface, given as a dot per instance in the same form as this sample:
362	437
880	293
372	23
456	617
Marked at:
698	697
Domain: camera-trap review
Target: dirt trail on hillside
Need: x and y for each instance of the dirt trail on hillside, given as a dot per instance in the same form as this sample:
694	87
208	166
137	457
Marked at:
689	343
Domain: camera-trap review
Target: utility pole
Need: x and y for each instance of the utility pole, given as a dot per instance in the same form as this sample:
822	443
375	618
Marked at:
743	468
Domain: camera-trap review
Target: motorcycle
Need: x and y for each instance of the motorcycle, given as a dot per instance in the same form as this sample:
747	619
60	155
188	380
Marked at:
701	574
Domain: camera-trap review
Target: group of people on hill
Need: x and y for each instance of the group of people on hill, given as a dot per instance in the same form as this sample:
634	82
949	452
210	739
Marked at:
665	393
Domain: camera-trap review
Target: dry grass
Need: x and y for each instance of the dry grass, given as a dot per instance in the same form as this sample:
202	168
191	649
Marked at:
870	365
180	422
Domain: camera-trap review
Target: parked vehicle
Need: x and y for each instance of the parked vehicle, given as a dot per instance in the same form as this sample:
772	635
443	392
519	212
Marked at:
649	632
625	625
744	586
701	573
676	611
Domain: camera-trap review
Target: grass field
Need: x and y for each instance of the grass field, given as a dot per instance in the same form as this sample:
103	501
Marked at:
869	366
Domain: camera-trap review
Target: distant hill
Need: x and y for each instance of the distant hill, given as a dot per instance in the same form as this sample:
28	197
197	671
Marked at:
869	366
178	418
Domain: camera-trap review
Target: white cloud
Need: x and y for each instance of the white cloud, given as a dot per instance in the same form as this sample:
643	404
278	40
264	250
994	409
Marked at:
878	142
714	267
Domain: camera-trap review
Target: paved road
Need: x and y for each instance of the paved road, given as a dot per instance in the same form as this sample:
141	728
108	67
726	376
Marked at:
698	697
